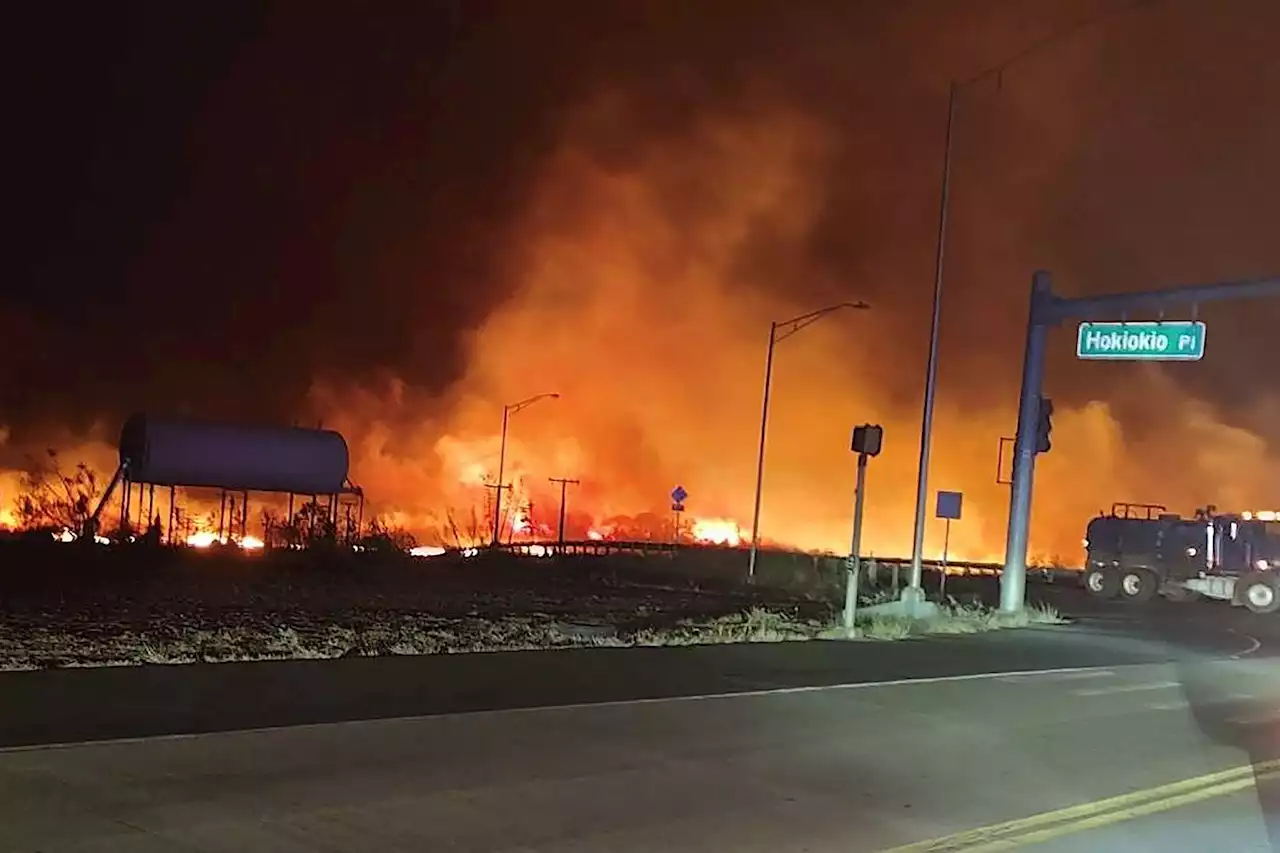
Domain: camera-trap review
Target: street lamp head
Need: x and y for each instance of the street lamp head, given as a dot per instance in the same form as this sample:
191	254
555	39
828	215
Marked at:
860	305
529	401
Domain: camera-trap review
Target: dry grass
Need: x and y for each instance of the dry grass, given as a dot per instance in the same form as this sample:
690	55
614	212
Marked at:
756	625
957	619
36	648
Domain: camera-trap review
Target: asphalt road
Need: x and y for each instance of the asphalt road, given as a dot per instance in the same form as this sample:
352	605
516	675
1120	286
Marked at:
819	746
71	705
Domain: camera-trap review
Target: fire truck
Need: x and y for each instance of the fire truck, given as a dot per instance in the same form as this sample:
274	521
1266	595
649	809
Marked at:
1138	551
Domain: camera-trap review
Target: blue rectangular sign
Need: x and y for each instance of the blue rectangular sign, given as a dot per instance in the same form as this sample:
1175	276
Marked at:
949	505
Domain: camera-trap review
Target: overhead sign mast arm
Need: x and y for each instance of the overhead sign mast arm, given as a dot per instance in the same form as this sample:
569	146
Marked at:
1048	310
1051	310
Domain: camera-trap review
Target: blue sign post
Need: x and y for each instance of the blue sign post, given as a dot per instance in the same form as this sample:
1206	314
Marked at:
678	495
949	506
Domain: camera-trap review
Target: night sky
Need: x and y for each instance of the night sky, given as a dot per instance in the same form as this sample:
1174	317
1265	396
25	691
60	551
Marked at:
216	203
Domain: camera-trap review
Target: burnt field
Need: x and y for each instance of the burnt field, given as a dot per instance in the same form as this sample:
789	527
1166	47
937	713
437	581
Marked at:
64	604
92	605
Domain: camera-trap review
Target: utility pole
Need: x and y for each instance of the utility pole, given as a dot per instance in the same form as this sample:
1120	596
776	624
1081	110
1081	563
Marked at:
565	483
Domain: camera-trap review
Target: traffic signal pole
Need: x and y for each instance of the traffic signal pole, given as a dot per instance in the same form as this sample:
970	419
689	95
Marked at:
1048	310
1013	580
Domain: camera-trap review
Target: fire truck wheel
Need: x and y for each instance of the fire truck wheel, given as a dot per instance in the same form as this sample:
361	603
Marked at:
1138	585
1102	582
1260	594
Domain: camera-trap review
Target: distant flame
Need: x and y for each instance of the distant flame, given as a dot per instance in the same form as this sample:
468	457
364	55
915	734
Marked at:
203	539
520	522
717	531
206	539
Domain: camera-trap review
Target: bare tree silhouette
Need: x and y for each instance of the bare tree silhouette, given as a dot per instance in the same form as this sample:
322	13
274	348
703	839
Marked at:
52	497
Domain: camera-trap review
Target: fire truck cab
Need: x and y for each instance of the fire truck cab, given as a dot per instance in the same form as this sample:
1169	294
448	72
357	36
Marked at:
1137	551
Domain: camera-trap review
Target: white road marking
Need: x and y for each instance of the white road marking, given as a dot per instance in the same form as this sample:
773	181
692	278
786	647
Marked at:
1184	704
1065	676
1254	645
1175	705
1129	688
582	706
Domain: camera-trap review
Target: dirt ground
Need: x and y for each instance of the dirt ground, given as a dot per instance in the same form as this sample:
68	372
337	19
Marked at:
91	605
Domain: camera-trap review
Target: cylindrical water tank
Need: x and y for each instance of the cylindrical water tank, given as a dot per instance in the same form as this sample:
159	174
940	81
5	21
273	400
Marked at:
240	458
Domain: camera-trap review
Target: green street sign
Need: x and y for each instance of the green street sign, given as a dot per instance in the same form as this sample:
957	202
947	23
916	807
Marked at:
1174	341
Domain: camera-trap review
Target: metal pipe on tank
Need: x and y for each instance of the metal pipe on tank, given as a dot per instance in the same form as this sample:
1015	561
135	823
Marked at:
124	502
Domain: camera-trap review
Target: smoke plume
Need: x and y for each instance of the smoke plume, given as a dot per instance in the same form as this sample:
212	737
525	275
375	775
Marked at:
688	188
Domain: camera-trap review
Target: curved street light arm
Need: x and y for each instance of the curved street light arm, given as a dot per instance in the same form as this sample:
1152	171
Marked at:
787	328
512	408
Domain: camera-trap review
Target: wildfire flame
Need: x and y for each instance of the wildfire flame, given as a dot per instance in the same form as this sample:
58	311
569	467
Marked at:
206	539
520	524
716	531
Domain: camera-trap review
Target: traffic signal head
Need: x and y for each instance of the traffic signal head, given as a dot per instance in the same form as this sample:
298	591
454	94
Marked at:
1044	426
868	439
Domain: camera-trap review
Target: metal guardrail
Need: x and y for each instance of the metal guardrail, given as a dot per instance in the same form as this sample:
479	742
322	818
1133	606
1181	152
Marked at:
606	547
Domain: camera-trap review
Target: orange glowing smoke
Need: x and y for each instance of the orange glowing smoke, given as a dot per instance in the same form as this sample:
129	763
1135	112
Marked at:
642	267
645	269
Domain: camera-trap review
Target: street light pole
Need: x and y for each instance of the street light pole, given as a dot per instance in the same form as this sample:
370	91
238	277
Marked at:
507	411
764	424
787	328
914	591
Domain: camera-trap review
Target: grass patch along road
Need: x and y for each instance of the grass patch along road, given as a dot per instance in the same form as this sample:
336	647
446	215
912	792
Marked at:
61	607
171	640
